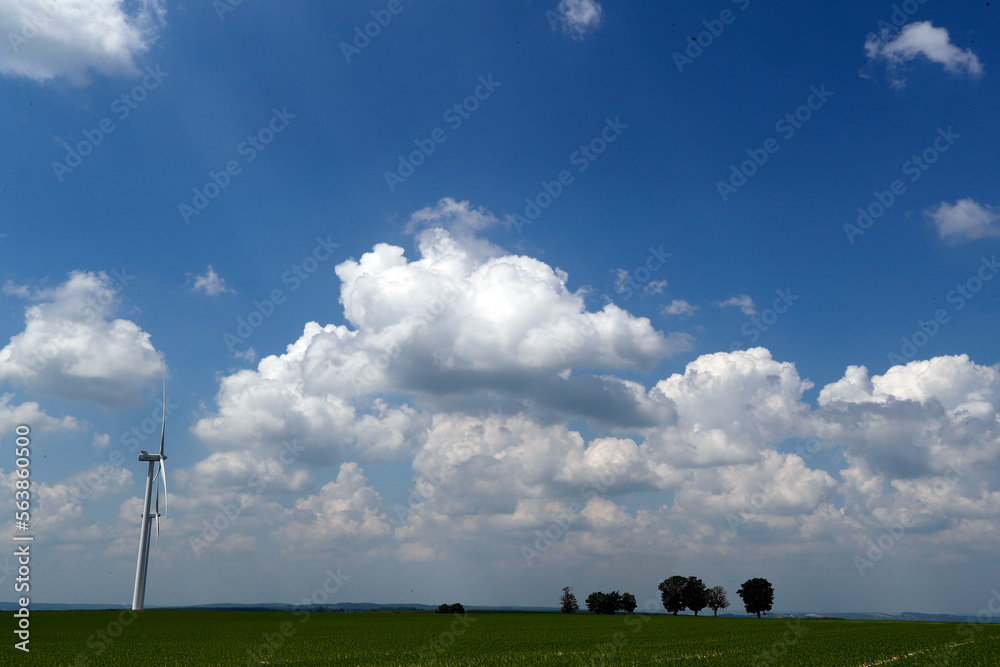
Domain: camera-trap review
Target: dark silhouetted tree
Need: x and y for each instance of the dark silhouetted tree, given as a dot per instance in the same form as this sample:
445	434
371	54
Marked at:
609	603
595	602
716	599
568	600
456	608
672	594
758	596
695	594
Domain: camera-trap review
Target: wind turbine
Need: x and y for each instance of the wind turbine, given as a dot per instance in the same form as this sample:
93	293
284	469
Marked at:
139	595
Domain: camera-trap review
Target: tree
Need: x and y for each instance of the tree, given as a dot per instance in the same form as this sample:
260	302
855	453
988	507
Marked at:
758	596
608	603
602	603
672	593
715	599
456	608
568	600
613	602
695	594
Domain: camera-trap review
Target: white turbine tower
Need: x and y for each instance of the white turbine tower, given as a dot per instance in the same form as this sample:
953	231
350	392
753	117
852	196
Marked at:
139	595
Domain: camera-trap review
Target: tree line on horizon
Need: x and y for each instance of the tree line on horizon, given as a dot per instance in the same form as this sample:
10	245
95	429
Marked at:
678	593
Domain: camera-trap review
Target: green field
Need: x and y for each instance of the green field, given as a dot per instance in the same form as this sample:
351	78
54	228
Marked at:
114	639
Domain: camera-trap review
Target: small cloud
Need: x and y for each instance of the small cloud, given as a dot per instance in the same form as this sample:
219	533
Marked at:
579	18
965	220
621	279
10	289
458	217
249	355
744	302
679	307
919	39
101	441
460	220
655	287
210	283
625	283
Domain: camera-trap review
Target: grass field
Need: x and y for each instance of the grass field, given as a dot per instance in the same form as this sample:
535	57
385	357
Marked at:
117	639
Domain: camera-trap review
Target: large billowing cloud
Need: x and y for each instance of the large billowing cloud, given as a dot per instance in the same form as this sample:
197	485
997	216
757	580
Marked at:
778	494
456	381
917	419
462	324
714	453
345	509
922	443
291	398
476	313
72	347
730	407
726	481
58	38
464	362
920	39
491	465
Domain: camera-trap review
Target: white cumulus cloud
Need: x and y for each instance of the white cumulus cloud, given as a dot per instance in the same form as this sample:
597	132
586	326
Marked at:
31	415
730	406
919	419
59	38
965	220
466	362
344	511
460	323
679	307
72	348
919	39
743	302
211	283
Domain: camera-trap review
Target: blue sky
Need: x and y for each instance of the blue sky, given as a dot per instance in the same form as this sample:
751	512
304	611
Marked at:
411	377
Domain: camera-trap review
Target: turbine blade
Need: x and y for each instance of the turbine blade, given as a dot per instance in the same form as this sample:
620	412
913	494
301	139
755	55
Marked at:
163	428
157	515
166	496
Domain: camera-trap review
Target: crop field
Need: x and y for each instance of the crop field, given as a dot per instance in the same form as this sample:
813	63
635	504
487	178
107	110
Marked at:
231	638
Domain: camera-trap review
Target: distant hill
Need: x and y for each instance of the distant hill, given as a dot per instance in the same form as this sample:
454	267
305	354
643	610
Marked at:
876	616
13	606
353	607
340	607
